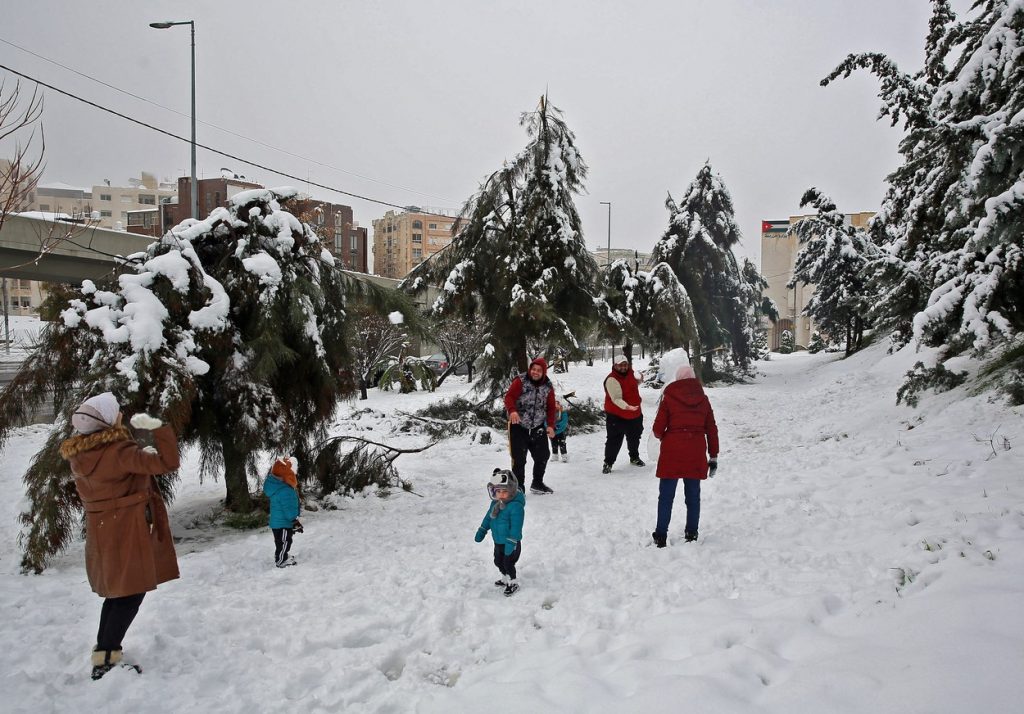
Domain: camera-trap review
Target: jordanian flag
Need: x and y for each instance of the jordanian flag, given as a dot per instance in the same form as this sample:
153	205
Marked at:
774	226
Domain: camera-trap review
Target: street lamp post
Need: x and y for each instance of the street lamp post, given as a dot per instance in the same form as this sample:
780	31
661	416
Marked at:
609	204
192	26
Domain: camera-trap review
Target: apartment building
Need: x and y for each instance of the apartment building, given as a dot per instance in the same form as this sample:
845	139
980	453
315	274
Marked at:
23	296
106	204
778	259
404	239
213	192
341	234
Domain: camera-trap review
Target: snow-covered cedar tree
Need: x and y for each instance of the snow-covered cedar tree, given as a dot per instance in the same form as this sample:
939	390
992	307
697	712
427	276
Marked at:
517	260
231	329
651	308
698	246
817	343
787	343
759	308
952	222
833	258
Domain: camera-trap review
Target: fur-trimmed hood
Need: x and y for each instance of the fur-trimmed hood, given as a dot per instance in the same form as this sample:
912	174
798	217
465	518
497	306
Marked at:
80	444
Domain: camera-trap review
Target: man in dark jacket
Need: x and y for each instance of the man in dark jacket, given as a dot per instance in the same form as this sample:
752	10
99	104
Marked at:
623	417
530	403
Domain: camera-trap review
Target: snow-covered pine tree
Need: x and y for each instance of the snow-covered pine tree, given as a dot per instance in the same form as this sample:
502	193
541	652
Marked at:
518	260
649	307
230	328
952	222
833	259
698	246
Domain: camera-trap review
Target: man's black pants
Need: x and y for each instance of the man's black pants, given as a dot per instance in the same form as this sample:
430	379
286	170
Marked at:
617	427
535	441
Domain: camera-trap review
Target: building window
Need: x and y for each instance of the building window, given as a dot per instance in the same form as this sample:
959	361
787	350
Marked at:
147	199
432	226
417	254
104	196
337	220
44	206
338	242
417	237
354	242
417	225
105	214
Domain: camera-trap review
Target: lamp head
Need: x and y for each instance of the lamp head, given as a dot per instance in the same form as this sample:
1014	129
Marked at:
160	25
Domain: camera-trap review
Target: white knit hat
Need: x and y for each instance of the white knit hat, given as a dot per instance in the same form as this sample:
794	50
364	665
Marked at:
96	413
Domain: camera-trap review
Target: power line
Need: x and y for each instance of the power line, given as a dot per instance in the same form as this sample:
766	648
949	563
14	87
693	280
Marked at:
220	128
225	154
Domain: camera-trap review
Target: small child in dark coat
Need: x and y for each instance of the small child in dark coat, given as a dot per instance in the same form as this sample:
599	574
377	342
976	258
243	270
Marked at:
281	487
504	519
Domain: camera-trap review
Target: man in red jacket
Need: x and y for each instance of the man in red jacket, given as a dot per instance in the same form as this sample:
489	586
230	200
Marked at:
623	417
530	403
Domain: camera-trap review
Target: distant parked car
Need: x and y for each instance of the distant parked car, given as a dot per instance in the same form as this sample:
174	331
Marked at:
439	363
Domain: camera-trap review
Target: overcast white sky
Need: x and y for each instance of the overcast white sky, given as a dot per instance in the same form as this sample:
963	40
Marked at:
426	95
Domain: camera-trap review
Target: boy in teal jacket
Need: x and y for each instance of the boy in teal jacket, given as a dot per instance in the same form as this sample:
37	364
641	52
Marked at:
504	519
281	486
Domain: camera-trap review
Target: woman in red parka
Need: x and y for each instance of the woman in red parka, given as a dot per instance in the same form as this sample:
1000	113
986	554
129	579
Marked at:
686	427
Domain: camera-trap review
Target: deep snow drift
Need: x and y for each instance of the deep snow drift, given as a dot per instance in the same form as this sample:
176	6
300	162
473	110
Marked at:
854	556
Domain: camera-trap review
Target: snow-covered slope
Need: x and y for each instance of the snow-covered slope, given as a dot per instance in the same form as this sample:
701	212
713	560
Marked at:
854	556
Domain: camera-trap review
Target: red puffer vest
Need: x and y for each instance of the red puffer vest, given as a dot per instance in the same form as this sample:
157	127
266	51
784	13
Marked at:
630	395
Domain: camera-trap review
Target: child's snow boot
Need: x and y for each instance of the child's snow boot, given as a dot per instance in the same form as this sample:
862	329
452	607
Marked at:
659	539
606	469
512	588
690	536
501	582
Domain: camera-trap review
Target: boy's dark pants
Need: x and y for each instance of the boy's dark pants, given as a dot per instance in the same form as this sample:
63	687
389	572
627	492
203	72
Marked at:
535	441
558	443
116	617
617	427
282	544
507	563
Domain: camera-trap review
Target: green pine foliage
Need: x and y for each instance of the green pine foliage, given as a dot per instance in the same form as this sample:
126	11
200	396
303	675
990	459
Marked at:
920	378
951	226
833	258
698	246
231	329
652	308
518	261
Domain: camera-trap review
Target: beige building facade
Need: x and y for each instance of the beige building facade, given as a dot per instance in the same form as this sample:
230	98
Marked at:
778	259
23	296
404	239
110	204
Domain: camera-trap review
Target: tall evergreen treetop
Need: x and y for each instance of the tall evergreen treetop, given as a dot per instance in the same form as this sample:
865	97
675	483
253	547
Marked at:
952	221
518	260
698	246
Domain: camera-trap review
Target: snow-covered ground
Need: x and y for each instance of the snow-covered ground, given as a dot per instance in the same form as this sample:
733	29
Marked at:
854	556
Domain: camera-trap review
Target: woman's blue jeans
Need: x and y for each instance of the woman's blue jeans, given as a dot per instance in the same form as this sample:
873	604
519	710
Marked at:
666	496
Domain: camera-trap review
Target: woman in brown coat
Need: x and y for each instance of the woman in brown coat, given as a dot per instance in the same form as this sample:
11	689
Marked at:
128	545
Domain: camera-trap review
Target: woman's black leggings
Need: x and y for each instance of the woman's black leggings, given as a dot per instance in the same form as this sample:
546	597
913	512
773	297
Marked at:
115	619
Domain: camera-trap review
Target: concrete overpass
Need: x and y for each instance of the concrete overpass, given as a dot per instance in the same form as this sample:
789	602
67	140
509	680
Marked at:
77	251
